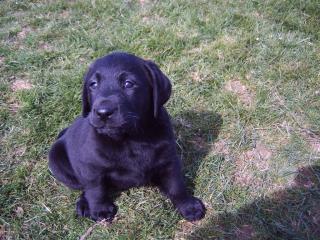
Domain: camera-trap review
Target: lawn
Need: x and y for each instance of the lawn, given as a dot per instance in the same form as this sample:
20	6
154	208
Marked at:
245	109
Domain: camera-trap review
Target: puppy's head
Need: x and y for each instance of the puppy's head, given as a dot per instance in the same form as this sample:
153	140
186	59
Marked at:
121	92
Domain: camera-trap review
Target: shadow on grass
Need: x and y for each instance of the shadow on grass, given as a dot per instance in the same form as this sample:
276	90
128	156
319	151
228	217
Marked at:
292	213
195	132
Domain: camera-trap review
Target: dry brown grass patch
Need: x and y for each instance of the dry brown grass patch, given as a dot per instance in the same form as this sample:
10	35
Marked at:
245	232
45	46
227	40
195	76
315	215
143	2
249	162
313	141
2	232
64	14
221	147
185	228
241	91
155	19
200	74
13	105
20	151
2	60
24	32
19	212
199	142
306	178
276	136
20	84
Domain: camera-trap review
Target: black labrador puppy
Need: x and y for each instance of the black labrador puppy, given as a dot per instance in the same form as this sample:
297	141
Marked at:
123	139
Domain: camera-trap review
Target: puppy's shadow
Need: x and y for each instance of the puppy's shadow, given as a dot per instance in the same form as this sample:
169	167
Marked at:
290	213
195	133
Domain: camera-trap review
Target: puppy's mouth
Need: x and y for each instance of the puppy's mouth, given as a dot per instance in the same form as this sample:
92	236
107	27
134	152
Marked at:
113	133
104	129
115	129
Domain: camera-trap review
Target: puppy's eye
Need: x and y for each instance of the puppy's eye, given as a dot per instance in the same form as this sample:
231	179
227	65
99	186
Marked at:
93	85
128	84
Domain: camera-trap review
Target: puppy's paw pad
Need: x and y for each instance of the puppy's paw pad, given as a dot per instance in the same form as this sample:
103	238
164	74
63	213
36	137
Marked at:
107	212
192	209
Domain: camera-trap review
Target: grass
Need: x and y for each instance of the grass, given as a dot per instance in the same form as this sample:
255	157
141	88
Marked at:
254	162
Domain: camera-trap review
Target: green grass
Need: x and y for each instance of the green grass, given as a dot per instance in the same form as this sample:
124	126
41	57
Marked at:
271	47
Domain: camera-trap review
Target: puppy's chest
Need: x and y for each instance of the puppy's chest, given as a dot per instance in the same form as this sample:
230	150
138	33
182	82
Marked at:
131	167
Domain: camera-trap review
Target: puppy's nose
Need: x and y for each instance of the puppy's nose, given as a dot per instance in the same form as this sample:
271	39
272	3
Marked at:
104	113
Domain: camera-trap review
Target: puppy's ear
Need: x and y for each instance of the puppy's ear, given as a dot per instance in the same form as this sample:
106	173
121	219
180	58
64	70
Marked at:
86	108
160	84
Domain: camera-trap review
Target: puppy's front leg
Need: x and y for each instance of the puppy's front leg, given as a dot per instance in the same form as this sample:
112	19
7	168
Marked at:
172	184
96	202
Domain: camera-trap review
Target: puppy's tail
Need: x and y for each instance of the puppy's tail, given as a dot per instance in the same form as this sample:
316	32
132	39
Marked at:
60	167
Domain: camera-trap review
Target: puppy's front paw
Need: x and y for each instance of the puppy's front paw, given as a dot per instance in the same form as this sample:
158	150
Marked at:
82	207
192	209
103	211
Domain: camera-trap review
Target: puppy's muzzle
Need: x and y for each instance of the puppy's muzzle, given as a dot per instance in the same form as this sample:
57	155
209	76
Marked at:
105	113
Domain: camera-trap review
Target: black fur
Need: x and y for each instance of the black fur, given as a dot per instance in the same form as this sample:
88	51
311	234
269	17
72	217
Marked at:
123	139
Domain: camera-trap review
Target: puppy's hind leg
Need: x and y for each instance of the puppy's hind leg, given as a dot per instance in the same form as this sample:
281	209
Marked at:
60	167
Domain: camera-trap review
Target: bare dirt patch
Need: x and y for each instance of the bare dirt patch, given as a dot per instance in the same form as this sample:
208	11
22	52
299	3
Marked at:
185	228
306	178
2	232
241	91
245	232
313	140
144	3
286	129
199	142
182	121
263	153
196	50
19	212
258	15
104	223
1	60
20	151
195	76
227	40
64	14
315	216
243	176
20	84
200	75
45	46
276	136
207	46
154	19
251	161
221	147
24	32
292	67
14	107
